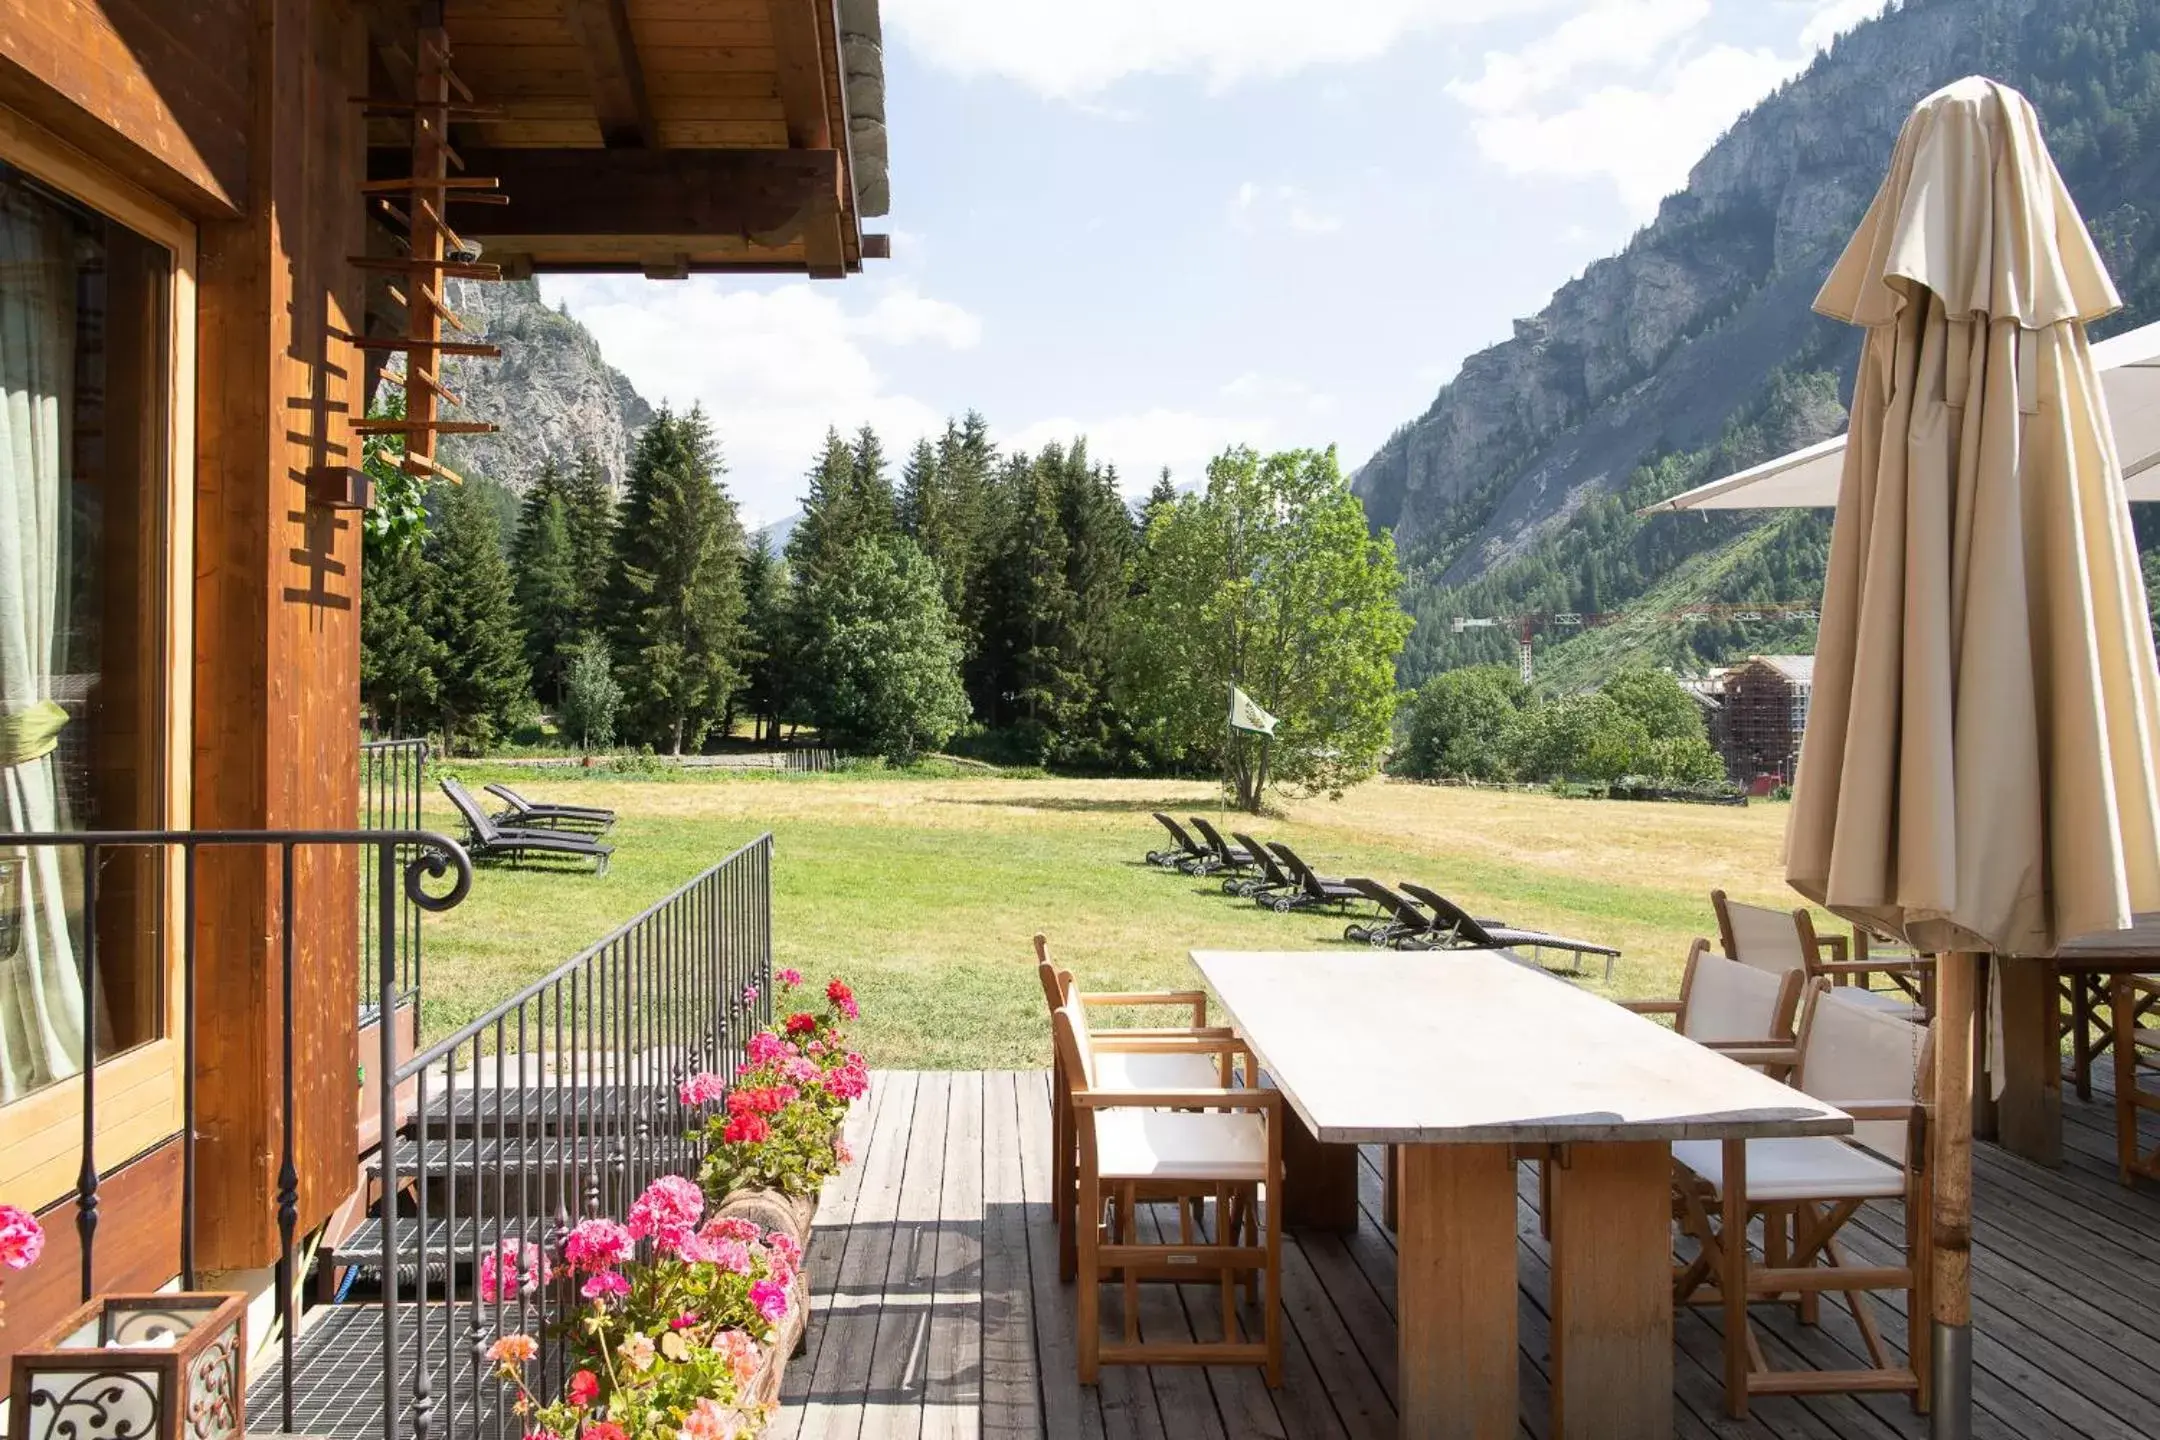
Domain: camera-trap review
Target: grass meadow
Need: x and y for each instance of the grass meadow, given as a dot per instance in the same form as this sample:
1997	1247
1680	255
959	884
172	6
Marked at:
925	892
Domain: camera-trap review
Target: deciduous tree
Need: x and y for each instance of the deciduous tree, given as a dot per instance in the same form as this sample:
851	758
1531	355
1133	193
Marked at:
1269	580
880	653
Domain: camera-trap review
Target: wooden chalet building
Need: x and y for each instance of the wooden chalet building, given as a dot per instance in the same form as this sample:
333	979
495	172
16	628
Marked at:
1764	708
218	220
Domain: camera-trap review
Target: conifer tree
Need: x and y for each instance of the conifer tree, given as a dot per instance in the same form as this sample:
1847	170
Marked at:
589	517
674	609
546	582
882	648
767	664
1030	683
485	688
1099	547
401	660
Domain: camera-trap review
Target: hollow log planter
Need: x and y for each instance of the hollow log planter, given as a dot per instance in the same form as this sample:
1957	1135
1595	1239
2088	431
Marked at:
792	1216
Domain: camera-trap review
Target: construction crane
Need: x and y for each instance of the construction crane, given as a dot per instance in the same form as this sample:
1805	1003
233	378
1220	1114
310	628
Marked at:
1527	624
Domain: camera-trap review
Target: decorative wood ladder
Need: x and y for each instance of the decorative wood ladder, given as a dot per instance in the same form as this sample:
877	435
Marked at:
434	254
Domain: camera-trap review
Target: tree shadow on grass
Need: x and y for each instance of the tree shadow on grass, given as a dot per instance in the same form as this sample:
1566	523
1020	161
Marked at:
1077	804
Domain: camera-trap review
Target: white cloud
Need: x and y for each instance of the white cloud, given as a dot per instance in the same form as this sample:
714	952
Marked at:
1614	35
1072	49
773	368
1276	394
1255	205
1141	443
904	317
1628	91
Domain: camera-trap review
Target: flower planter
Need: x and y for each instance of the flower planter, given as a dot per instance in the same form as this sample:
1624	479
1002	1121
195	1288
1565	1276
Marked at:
791	1215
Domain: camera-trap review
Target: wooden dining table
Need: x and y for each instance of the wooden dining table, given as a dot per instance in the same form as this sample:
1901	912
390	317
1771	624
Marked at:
1470	1060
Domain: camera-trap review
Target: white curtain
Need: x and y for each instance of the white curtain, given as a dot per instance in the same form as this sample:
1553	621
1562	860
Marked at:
41	1000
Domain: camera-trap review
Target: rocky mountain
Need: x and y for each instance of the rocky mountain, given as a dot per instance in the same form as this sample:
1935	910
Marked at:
552	392
1693	352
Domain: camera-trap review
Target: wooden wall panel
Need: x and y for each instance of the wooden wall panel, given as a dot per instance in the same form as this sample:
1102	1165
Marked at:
148	87
138	1247
277	630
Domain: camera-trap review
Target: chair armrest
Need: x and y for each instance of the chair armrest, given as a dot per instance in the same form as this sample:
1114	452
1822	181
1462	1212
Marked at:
1270	1101
1175	1045
1652	1007
1195	999
1855	967
1165	1032
1763	1053
1910	1111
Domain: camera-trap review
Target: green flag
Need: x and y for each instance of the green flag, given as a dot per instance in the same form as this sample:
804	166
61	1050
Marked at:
1245	715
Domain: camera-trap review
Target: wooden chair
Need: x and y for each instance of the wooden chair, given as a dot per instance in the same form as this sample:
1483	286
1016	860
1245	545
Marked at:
1194	1056
2133	999
1782	940
1216	1145
1804	1190
1739	1009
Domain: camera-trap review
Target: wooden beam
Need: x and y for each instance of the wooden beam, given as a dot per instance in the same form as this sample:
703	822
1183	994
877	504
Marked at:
609	50
567	192
801	58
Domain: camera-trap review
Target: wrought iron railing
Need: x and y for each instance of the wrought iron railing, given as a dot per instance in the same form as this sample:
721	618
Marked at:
393	776
558	1104
402	860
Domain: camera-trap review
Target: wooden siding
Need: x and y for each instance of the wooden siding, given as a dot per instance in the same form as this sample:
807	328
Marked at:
138	1247
937	1309
277	631
154	89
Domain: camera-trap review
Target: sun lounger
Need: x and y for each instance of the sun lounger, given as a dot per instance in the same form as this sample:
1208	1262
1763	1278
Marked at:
1271	879
488	841
1187	847
1313	889
1400	925
1221	854
525	814
1461	930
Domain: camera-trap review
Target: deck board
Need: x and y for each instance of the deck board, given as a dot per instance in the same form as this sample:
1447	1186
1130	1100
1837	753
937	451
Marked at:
938	1309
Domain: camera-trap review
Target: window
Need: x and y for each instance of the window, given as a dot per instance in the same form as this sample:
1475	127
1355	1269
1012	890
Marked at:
86	353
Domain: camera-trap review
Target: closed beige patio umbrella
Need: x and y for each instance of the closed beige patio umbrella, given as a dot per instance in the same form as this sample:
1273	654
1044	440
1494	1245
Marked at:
1981	766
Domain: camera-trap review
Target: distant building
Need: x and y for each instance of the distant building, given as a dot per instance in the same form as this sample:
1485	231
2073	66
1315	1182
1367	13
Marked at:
1764	710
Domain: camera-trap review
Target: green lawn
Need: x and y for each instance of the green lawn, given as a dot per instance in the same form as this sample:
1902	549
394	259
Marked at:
925	893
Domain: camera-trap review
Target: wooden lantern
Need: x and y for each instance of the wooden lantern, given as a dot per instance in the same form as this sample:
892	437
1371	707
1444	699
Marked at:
136	1367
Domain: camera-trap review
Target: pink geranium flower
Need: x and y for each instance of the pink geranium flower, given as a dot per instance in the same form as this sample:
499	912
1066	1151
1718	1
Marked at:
771	1299
790	978
605	1285
703	1088
766	1047
22	1239
597	1245
668	1209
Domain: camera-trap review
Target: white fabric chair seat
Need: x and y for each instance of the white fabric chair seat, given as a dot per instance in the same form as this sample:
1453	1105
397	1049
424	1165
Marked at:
1180	1145
1894	1003
1134	1070
1818	1167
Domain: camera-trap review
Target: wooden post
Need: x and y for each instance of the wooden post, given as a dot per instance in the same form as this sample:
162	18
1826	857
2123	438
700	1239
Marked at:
2029	1112
1455	1293
1951	1162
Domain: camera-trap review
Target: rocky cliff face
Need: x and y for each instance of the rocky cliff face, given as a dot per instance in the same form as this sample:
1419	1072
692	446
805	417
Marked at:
1652	349
552	392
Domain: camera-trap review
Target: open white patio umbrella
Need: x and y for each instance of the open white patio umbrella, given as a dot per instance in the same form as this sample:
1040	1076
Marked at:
1981	765
2129	366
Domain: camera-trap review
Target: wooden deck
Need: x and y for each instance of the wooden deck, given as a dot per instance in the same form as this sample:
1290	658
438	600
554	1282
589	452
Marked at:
938	1310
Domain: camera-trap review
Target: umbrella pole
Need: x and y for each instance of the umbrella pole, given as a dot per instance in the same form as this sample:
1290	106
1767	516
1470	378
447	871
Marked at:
1950	1333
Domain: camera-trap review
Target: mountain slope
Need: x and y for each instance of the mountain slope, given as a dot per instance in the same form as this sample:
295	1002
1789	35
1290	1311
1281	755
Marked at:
1693	352
552	392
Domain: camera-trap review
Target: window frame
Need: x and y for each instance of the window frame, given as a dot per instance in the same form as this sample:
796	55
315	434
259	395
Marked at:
138	1089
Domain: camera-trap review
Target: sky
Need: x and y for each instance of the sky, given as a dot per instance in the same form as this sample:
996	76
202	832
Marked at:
1177	225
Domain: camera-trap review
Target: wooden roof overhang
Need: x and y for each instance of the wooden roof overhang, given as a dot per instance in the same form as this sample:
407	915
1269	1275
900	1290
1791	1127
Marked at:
659	137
